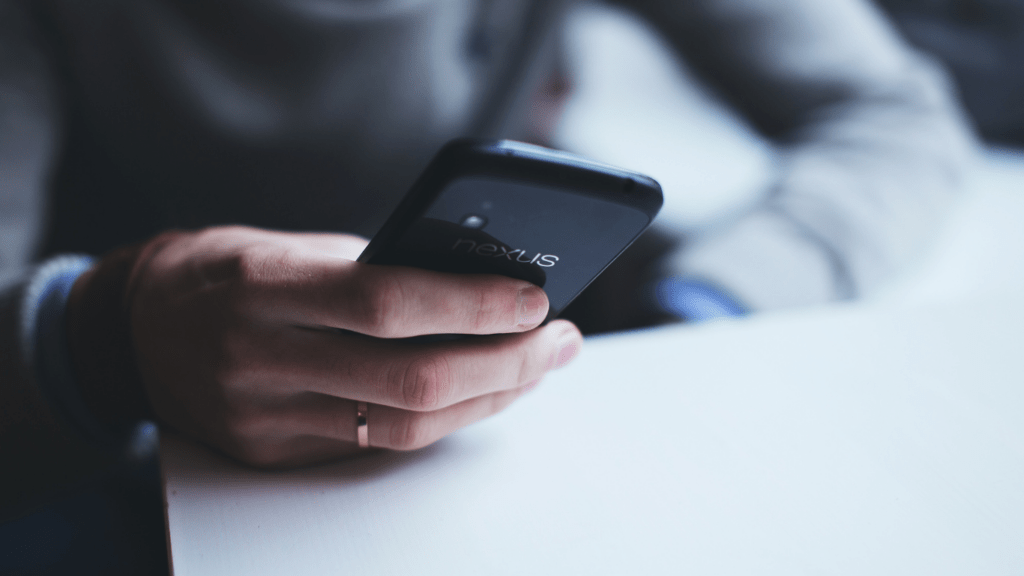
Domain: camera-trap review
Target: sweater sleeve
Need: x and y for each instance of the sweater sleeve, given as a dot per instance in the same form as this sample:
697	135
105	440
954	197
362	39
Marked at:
872	141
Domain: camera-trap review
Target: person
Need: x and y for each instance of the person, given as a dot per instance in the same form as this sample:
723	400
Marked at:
186	186
980	43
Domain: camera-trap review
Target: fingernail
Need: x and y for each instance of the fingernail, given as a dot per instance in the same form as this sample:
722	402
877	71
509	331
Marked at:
531	306
569	347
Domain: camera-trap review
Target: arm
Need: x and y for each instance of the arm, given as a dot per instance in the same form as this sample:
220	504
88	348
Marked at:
872	142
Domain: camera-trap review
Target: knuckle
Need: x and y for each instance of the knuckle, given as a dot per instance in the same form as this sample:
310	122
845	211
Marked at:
425	384
378	304
412	432
493	308
254	265
244	265
246	271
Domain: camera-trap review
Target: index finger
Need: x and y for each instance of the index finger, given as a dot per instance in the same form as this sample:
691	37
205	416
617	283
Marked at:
313	288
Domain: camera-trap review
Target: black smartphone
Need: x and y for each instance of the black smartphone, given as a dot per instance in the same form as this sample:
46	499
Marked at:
502	207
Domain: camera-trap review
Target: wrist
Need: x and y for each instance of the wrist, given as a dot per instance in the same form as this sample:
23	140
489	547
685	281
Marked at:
100	341
99	344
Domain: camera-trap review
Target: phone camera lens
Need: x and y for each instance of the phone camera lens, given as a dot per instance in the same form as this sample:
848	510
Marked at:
473	221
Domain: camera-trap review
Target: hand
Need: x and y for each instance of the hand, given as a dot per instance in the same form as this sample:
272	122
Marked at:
261	343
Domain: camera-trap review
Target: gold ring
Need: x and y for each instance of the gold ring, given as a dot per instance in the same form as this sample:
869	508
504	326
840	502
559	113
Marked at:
362	429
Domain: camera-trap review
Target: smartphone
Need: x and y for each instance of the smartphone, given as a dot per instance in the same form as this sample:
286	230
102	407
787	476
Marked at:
503	207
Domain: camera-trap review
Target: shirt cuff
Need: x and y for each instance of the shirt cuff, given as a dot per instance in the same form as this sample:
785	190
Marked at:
45	337
695	300
44	332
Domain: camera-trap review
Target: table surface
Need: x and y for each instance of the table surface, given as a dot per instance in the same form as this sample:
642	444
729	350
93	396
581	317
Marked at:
844	441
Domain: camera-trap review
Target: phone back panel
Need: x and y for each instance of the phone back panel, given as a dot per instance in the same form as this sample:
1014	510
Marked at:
556	221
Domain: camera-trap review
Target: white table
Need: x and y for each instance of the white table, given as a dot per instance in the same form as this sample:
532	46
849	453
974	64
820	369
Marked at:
848	441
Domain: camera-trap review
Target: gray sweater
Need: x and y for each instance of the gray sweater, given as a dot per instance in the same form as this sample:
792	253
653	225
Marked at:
122	118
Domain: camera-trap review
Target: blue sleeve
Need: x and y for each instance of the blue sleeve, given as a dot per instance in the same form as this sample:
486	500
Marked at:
694	300
45	337
44	332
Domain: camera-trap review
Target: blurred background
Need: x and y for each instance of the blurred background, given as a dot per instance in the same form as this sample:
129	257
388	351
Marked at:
635	104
